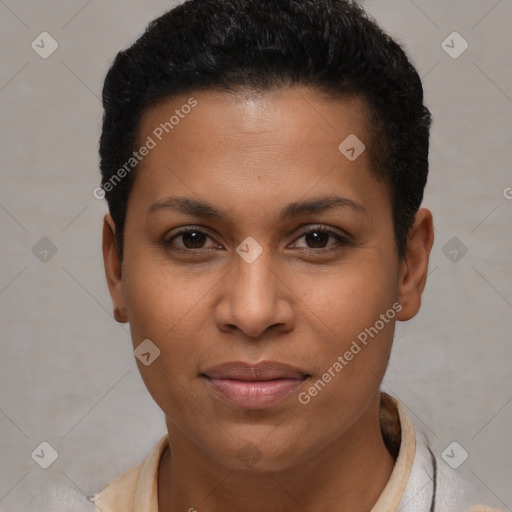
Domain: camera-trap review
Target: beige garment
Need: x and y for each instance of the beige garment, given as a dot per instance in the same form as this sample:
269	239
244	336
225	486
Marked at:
136	490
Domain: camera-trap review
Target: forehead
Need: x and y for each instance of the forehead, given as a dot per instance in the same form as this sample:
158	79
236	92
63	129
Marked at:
305	116
284	141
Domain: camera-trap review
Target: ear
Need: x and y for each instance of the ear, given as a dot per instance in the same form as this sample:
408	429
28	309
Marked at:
113	271
414	267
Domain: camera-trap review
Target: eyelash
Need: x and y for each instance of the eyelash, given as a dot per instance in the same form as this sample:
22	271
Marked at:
322	229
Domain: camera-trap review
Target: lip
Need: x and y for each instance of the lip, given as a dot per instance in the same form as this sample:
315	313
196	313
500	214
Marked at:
254	386
264	370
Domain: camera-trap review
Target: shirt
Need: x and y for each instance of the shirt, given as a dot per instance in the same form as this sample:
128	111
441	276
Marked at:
419	482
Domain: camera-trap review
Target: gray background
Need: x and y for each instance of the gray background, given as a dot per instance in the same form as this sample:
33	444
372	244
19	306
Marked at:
67	372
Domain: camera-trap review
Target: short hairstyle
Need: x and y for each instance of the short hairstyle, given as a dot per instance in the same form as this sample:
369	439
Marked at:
333	46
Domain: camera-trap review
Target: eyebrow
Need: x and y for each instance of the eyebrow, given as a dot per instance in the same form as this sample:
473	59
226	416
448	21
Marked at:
203	209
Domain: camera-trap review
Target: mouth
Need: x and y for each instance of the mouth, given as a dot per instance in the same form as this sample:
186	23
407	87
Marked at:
254	386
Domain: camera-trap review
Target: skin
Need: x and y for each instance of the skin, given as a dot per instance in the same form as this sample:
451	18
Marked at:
251	155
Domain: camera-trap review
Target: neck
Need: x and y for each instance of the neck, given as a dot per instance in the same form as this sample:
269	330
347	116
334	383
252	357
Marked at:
334	479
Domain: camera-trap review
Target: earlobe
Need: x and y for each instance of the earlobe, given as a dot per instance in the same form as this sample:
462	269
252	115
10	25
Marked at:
414	269
120	316
113	269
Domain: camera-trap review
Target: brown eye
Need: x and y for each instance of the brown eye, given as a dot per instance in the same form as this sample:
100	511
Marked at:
317	239
191	239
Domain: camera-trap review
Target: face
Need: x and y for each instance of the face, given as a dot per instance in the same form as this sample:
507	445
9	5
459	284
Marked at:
249	237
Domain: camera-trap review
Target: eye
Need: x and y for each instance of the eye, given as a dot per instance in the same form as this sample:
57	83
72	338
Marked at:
317	238
192	239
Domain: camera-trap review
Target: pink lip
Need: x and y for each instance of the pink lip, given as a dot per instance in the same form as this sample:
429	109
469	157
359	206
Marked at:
254	386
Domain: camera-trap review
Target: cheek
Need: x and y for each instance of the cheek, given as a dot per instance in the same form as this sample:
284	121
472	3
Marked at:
347	299
160	299
352	355
345	310
166	307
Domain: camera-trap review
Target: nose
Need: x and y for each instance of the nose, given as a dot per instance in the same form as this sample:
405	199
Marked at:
255	297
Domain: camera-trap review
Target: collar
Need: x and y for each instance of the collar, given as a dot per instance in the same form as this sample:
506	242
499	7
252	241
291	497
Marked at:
410	487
